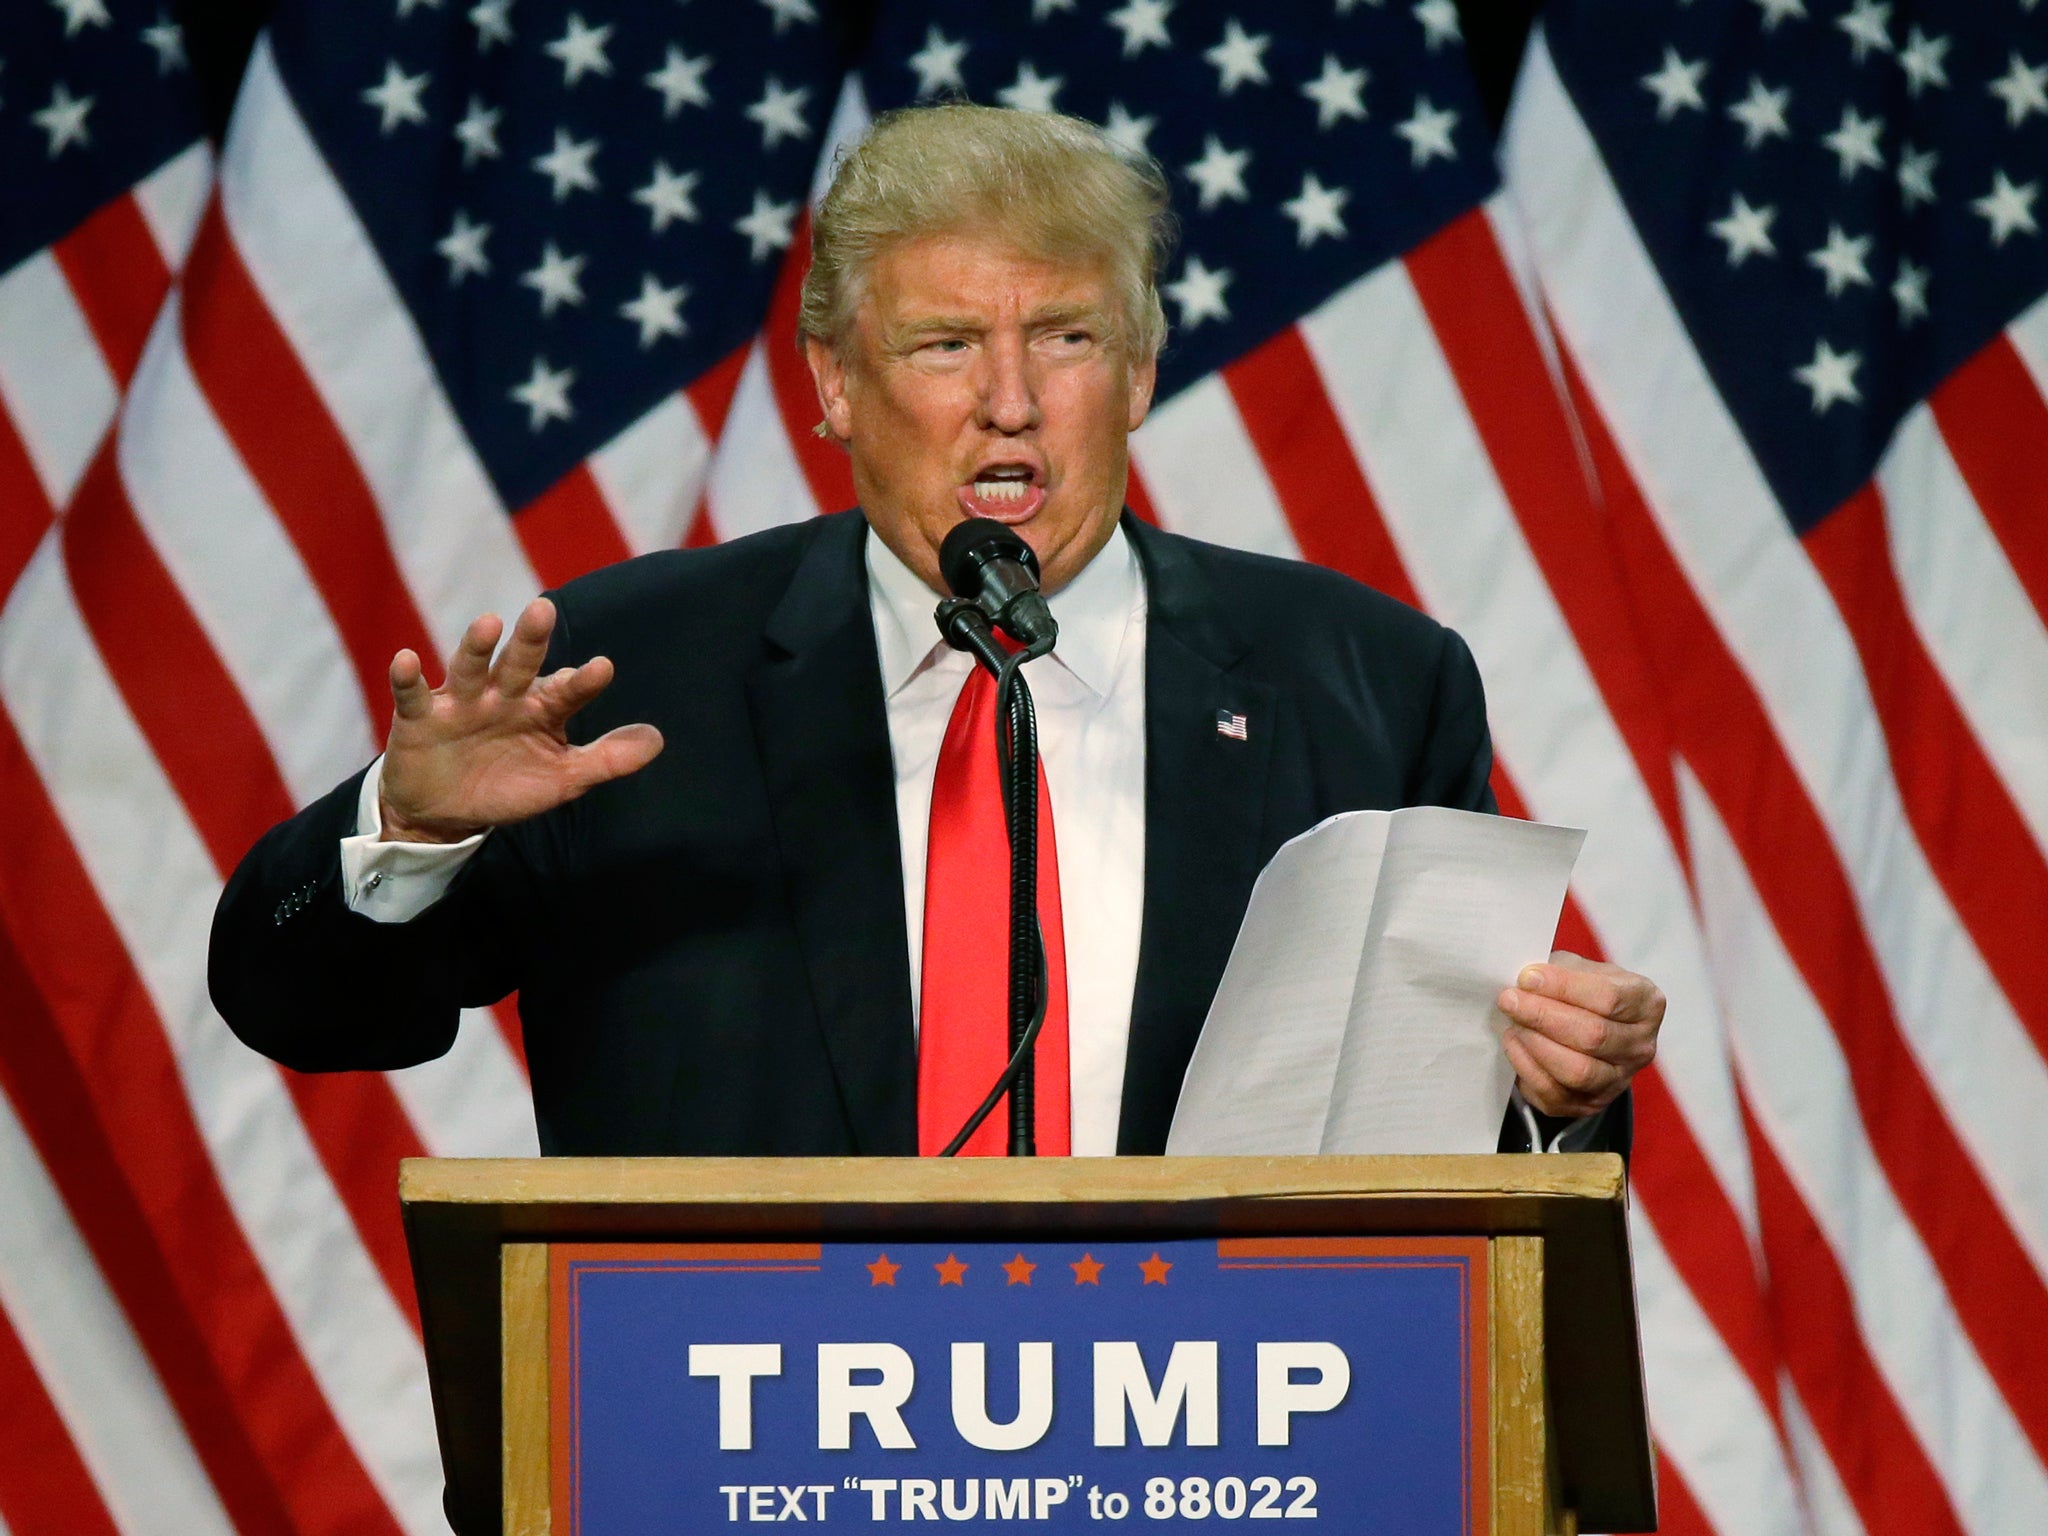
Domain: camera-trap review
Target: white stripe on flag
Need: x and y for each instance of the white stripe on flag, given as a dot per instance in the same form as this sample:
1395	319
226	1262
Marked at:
1721	523
54	382
172	197
850	119
652	474
103	1385
1206	478
1407	424
1705	1414
323	283
2029	337
158	886
472	1102
1976	619
240	575
1800	1091
756	481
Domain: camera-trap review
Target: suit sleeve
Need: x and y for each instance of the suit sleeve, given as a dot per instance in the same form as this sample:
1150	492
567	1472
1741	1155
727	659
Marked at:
307	982
1456	759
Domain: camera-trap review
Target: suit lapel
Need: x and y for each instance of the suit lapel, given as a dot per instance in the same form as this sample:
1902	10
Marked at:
822	729
1205	804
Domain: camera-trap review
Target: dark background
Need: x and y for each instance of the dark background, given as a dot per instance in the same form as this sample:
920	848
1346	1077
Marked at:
218	34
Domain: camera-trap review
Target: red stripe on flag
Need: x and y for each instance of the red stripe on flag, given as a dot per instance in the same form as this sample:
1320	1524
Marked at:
197	722
1973	835
1138	499
24	509
702	532
1513	399
711	392
1678	1513
1703	1236
1333	512
213	752
506	1012
569	529
74	953
1995	423
57	1109
1881	1463
117	273
825	465
270	410
1727	738
44	1485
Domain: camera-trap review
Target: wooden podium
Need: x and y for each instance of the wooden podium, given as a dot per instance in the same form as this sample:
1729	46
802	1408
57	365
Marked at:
1557	1442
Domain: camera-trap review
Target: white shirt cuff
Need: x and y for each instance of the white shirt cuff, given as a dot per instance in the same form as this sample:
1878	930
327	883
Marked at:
395	882
1575	1137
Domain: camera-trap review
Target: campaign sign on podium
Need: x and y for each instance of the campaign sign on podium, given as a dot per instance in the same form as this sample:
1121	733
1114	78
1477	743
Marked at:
1055	1384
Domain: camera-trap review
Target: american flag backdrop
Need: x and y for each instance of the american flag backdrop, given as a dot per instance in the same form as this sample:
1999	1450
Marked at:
1717	428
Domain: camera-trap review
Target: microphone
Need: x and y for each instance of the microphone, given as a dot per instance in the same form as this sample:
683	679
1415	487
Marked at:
990	566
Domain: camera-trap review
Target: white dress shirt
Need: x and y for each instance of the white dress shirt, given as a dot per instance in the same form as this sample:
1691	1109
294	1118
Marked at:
1090	694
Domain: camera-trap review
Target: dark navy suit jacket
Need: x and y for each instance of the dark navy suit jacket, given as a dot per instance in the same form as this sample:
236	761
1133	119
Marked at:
710	955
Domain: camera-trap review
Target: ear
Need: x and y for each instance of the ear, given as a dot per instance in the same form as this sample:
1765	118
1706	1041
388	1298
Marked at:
1144	377
828	372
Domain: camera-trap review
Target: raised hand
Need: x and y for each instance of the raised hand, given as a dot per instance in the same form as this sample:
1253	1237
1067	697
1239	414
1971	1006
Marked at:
1581	1029
490	745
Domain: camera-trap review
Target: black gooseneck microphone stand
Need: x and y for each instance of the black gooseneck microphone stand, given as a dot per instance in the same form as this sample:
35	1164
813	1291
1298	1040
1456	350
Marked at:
967	628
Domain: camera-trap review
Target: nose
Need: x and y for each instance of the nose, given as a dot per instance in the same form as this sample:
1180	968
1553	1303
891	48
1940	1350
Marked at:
1009	391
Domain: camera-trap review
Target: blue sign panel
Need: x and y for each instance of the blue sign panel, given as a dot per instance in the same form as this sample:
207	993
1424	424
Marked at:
1049	1384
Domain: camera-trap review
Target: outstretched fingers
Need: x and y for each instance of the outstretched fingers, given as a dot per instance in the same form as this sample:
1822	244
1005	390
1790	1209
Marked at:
565	691
519	663
469	668
410	695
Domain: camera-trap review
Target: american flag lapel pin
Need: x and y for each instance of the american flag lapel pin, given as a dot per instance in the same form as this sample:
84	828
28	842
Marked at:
1233	726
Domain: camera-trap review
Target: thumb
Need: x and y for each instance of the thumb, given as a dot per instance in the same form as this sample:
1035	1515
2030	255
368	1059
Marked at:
616	753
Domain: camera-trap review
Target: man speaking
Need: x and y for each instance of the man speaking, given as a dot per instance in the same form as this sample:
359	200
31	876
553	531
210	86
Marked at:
726	818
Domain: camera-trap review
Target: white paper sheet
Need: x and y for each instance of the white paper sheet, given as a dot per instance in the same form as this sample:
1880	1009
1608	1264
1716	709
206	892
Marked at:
1356	1013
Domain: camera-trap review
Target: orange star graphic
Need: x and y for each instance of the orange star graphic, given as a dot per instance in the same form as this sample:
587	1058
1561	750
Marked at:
1019	1270
950	1272
882	1271
1087	1270
1155	1269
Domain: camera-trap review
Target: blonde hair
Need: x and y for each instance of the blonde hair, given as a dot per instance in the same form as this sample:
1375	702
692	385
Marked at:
1055	187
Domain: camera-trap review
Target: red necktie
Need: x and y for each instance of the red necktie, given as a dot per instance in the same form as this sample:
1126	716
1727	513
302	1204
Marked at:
964	1007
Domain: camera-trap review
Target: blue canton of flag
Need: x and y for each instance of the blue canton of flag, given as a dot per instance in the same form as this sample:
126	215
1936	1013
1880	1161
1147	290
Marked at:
1874	216
583	205
1306	146
94	95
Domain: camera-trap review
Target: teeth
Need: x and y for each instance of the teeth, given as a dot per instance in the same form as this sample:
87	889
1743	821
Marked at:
1001	490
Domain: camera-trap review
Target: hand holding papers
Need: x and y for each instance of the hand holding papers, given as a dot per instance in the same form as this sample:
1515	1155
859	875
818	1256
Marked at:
1357	1011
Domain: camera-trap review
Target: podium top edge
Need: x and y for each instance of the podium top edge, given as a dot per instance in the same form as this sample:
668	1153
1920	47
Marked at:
870	1181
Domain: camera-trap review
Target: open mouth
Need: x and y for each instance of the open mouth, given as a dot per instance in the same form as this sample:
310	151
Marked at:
1008	493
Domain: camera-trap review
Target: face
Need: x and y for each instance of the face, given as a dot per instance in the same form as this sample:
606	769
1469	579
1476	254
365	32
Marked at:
977	381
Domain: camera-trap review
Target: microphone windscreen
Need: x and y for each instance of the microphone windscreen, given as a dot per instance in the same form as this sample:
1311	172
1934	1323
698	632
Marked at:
972	544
